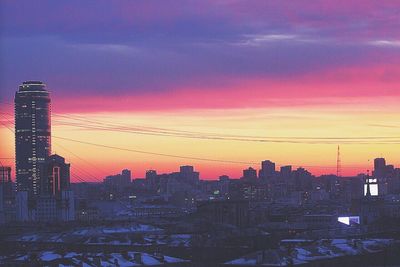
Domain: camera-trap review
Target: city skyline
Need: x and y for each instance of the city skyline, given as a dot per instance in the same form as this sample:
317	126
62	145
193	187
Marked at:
35	90
225	82
200	133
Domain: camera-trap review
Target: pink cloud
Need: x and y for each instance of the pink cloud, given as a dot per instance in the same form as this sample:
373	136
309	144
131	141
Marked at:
319	88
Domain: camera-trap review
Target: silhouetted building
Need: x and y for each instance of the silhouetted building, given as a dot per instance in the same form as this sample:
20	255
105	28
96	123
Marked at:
188	174
302	180
223	178
175	185
55	176
152	180
286	172
116	184
267	169
224	182
379	167
357	187
32	134
249	174
127	173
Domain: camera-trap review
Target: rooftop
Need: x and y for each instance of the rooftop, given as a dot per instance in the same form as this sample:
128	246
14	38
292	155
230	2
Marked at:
32	86
33	82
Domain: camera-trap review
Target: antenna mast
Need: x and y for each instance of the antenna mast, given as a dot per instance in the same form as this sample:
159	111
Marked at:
338	163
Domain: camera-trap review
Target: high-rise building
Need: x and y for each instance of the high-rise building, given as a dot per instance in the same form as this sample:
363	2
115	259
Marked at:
286	172
188	174
381	173
32	134
267	169
55	175
379	168
152	179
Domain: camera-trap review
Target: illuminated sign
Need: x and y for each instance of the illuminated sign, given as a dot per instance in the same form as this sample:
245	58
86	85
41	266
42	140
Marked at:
373	187
348	220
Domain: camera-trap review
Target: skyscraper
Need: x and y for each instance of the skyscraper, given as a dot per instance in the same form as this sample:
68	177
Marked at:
32	134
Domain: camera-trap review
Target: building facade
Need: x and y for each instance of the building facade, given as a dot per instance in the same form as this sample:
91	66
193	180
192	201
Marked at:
55	175
32	134
5	182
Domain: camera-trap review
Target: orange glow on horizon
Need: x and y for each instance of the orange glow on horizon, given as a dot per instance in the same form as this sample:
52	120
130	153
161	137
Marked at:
91	163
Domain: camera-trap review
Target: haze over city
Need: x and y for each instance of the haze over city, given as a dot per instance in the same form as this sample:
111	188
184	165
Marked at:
223	81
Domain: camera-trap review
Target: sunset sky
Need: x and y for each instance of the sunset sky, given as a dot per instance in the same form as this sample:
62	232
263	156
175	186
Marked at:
220	85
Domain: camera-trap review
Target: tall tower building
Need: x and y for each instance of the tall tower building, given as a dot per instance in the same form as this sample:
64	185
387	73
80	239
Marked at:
32	134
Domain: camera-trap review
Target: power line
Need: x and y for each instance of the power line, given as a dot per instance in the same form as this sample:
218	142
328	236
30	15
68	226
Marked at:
75	166
214	136
143	130
77	176
152	153
183	157
94	125
144	152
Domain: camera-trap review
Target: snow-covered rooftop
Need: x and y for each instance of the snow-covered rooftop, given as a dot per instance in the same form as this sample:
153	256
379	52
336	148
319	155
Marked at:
303	251
56	258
